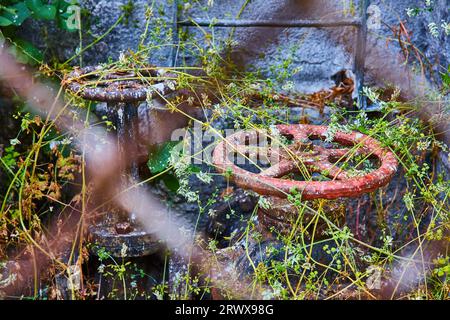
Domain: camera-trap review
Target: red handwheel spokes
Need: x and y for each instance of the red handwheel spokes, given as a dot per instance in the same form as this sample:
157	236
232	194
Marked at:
303	153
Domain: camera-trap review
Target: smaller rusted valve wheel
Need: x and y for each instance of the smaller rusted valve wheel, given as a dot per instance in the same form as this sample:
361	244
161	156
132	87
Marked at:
122	89
303	153
97	83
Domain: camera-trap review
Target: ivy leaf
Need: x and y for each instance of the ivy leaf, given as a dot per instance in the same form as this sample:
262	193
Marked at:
41	11
62	5
47	12
194	169
21	13
171	182
66	3
34	5
159	157
4	22
25	52
18	55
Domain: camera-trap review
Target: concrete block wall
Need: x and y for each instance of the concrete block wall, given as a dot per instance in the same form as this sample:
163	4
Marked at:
317	52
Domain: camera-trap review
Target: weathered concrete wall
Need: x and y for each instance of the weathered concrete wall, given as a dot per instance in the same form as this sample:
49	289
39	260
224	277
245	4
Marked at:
318	52
260	48
435	49
97	18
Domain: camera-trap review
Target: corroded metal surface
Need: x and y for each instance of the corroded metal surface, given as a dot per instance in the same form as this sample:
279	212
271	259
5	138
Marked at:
132	243
282	216
122	89
302	154
99	84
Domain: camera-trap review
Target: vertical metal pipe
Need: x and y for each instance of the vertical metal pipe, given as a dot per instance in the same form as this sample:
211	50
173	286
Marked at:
125	117
360	54
131	123
175	40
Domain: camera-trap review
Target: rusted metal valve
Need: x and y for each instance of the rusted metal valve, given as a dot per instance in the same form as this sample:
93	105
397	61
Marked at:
123	90
304	154
301	152
133	85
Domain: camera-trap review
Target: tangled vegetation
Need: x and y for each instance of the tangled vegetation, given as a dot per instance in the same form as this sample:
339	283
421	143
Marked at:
393	241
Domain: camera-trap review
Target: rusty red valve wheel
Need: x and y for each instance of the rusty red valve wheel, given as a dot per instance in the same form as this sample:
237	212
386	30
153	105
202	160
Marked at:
303	153
99	84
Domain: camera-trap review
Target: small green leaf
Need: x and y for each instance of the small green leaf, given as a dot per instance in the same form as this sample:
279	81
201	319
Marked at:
18	55
45	12
32	54
9	158
194	169
4	22
34	5
63	5
171	182
22	13
159	156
